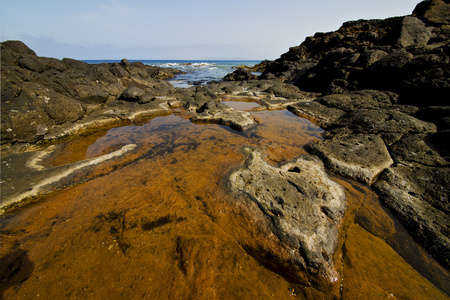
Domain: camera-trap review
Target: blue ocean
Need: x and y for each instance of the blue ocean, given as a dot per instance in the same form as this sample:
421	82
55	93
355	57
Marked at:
196	71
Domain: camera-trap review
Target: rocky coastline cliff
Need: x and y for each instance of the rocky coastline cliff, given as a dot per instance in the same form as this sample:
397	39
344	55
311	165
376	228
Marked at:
379	89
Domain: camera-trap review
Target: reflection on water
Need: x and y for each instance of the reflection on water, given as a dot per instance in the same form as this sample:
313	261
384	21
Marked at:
242	105
165	227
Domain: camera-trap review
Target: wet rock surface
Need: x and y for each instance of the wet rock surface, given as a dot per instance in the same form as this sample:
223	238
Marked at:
419	197
304	205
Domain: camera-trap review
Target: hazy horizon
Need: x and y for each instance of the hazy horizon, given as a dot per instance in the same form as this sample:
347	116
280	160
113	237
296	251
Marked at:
180	30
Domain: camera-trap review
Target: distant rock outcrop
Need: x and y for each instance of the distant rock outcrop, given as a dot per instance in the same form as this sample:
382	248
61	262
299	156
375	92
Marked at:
240	75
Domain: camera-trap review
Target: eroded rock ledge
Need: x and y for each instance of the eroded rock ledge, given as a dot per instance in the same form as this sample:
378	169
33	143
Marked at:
304	206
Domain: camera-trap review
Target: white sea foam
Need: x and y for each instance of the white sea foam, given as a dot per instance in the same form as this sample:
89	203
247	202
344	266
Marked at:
201	64
199	72
169	65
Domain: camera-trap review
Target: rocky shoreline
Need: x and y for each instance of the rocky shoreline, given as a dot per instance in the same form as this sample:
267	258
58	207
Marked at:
378	87
384	106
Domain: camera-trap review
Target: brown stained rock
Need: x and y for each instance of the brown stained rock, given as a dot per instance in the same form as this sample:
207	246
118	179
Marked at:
28	178
303	204
15	267
361	156
419	197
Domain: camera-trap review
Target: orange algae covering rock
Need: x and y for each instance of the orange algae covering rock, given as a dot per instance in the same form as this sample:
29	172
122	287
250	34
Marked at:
164	227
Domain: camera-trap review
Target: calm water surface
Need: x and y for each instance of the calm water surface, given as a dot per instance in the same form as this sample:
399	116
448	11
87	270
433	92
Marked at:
164	225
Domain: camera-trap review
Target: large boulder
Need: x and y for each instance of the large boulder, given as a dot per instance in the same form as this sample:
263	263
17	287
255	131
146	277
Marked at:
413	32
389	123
132	94
359	99
240	75
320	114
412	150
219	113
303	205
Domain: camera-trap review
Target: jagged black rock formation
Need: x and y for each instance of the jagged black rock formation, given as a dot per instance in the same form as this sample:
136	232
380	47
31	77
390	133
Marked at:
407	55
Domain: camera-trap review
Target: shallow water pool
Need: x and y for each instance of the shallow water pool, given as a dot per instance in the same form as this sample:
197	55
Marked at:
164	225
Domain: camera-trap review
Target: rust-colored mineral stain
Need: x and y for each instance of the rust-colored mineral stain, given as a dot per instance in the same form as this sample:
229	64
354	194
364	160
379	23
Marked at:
164	226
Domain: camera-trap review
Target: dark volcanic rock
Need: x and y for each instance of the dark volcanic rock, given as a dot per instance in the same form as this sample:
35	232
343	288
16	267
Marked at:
39	93
406	55
379	87
433	12
240	75
288	91
304	206
361	157
133	94
286	71
419	197
439	115
359	99
256	68
391	124
412	150
314	111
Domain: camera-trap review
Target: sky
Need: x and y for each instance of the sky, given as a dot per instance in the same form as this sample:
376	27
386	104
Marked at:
180	29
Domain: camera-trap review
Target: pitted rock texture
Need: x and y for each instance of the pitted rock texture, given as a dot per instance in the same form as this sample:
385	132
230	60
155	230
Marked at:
304	205
361	157
419	197
217	112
